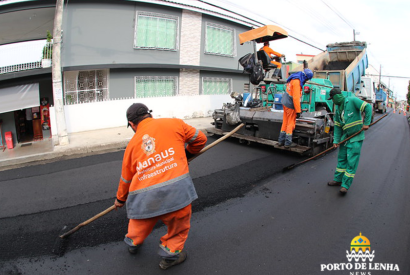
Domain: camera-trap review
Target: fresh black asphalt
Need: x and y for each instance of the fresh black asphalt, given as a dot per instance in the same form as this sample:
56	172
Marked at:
249	218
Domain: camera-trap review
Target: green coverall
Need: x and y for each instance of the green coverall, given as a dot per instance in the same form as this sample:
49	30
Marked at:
348	121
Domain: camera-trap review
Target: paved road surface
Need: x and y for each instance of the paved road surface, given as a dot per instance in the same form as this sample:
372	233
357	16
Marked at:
250	218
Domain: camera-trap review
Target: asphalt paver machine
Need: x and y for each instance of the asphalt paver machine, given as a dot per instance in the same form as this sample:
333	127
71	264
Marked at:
261	110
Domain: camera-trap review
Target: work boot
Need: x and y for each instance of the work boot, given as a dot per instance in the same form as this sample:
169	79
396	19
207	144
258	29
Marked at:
343	191
288	142
290	145
133	249
165	264
334	183
281	139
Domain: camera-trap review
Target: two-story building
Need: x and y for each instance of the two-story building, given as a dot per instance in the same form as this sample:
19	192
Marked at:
180	58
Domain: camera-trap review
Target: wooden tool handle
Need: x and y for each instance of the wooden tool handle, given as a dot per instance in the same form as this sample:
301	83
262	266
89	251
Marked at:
206	148
88	221
330	148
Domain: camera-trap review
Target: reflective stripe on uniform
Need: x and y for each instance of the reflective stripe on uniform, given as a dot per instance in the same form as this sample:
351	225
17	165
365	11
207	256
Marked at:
349	175
340	170
124	180
363	106
194	137
351	124
155	186
168	251
161	198
338	124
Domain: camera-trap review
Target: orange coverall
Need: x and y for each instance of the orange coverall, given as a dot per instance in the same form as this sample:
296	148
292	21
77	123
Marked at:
269	51
155	181
289	115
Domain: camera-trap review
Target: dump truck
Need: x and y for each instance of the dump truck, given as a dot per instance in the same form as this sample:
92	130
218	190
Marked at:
342	65
381	98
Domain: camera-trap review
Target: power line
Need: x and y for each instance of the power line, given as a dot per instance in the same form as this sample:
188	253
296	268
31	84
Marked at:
260	23
291	36
371	53
306	43
338	14
391	76
314	15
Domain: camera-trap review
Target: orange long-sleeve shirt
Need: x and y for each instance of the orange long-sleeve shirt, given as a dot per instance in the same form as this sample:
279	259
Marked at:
269	51
155	176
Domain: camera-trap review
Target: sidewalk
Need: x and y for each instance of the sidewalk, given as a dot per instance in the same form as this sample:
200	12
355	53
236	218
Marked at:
89	142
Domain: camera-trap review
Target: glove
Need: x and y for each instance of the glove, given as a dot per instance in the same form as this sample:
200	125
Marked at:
305	64
188	154
297	115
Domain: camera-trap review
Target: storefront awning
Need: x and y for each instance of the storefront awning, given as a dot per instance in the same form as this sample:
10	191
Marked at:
19	97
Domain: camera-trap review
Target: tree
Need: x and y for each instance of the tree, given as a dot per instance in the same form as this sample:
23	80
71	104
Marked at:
408	94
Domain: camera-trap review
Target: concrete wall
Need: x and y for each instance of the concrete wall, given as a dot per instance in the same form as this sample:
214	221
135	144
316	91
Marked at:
122	82
108	114
227	62
91	39
104	34
238	80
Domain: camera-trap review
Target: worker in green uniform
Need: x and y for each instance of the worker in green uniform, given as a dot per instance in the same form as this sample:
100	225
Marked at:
348	121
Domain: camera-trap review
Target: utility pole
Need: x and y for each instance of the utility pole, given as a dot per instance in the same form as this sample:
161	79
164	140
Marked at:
56	75
354	35
380	76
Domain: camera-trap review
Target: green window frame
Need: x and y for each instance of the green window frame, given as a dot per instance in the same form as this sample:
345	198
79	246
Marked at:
155	86
216	86
156	31
219	40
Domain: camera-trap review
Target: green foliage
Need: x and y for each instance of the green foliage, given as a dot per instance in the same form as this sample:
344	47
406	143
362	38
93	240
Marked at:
408	94
48	48
49	37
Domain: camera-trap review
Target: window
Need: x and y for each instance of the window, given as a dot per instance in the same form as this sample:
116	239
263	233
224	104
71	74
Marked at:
216	86
156	31
155	86
219	40
85	86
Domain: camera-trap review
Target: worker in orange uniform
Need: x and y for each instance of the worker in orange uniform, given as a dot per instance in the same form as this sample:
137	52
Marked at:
155	183
271	53
291	105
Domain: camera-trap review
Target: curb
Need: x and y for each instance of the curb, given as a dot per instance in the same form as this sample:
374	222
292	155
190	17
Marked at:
69	153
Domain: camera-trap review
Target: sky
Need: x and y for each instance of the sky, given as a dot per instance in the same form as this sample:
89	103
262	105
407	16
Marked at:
383	25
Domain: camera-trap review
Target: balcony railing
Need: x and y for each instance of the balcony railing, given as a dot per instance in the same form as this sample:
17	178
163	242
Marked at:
4	2
25	56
